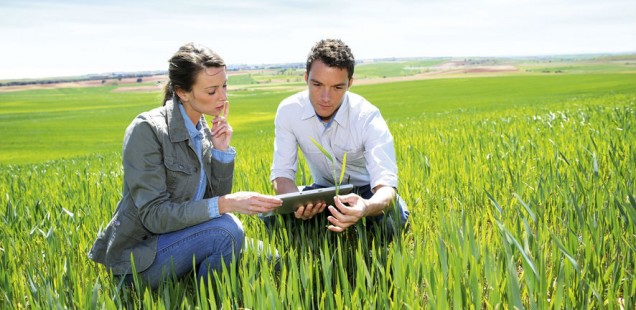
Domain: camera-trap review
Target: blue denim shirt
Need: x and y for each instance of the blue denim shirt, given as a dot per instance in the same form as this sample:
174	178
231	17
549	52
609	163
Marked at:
196	134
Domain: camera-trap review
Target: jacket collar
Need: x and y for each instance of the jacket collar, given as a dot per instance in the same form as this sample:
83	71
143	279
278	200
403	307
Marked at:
176	124
193	130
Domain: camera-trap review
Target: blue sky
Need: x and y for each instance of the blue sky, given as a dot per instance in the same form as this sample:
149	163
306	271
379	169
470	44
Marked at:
72	37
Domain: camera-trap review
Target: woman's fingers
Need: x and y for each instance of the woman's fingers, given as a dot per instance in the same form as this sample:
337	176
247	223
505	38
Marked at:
226	109
220	126
269	202
253	203
263	203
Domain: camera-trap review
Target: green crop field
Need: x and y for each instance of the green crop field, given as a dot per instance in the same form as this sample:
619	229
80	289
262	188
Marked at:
522	192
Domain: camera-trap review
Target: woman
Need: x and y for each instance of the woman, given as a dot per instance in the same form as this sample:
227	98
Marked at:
176	201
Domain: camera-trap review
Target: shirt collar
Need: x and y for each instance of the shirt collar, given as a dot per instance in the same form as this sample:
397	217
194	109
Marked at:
341	115
192	130
308	109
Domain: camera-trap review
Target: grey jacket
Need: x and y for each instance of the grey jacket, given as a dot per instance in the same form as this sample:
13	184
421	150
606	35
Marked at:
161	173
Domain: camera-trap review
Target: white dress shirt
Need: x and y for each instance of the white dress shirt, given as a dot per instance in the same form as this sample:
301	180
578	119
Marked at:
357	129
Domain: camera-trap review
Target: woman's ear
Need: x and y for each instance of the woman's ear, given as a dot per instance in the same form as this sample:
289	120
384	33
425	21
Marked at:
183	95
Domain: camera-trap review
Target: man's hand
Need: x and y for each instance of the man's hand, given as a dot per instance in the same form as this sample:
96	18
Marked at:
310	210
284	185
348	210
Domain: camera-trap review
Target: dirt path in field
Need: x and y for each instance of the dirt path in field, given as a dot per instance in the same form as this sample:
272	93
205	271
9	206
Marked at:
123	83
443	71
450	69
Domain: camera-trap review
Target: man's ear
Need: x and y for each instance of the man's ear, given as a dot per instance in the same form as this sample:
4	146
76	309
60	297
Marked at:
306	76
350	83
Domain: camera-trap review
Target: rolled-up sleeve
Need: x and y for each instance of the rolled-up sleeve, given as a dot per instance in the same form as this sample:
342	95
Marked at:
213	207
225	157
221	178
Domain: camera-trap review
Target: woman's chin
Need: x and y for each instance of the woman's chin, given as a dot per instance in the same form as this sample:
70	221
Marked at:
213	113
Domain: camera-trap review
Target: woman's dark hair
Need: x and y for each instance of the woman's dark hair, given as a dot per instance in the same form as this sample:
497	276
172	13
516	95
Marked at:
186	64
334	53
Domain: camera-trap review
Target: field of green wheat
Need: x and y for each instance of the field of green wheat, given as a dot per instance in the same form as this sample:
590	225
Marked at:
521	189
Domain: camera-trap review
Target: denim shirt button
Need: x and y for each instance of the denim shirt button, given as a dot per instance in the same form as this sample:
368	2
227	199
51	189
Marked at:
116	223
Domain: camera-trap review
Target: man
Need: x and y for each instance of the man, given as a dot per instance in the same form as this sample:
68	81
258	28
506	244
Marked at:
342	122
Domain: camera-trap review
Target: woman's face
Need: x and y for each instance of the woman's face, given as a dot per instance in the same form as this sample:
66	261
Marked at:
208	95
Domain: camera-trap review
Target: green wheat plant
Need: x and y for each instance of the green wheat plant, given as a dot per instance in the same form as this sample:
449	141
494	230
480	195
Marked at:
521	190
337	181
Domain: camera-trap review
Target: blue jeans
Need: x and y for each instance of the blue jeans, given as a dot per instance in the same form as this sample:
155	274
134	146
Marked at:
209	245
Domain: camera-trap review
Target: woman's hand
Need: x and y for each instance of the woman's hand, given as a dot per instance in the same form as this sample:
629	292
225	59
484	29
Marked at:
248	203
221	129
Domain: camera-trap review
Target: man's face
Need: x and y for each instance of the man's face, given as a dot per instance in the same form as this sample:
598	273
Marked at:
327	87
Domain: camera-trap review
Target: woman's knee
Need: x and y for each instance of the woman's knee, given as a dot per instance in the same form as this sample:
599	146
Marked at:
235	231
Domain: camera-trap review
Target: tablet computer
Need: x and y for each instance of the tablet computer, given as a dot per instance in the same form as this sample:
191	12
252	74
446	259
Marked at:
292	201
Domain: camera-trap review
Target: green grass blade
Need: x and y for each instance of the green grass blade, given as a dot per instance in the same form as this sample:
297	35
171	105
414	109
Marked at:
342	169
322	149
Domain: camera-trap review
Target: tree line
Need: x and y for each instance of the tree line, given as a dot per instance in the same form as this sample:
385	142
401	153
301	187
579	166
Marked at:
102	77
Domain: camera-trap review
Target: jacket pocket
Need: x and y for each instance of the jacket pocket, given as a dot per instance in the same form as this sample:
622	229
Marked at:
180	175
129	225
128	235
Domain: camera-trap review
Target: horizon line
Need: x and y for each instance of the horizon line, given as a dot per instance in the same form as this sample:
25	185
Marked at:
251	66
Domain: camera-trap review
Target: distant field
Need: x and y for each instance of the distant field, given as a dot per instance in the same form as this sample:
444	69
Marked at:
39	125
521	185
